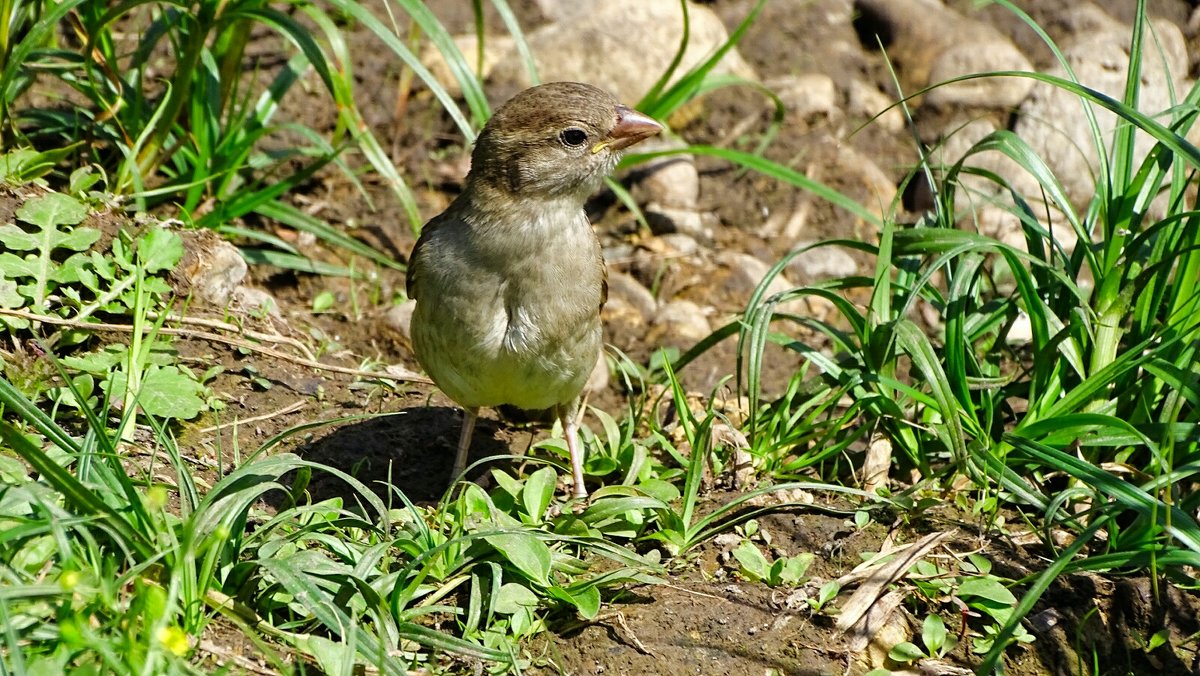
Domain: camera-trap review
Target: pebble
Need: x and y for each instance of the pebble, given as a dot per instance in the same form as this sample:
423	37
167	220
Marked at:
865	101
992	55
679	323
625	287
1051	121
253	300
399	318
619	45
808	95
670	180
212	268
821	263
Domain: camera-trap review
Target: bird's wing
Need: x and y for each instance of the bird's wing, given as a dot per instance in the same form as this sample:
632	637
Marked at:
415	258
603	284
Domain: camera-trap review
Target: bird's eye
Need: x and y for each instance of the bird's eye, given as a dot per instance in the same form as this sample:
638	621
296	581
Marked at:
573	137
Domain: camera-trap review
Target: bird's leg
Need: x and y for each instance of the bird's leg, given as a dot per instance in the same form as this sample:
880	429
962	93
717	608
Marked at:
569	415
464	442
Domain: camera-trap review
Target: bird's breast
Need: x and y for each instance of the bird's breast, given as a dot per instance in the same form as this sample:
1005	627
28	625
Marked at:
519	323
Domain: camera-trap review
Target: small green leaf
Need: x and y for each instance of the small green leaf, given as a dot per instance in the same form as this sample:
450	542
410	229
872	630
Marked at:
828	592
980	563
159	249
75	269
905	652
35	554
323	302
539	490
988	588
530	555
774	578
82	180
754	564
506	482
588	602
330	655
1158	640
513	598
167	392
11	299
14	266
933	633
795	568
1000	612
53	209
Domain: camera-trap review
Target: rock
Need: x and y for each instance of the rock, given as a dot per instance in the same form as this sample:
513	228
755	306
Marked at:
620	45
679	323
580	43
1051	119
670	187
876	190
918	33
745	272
807	96
865	101
665	219
597	382
212	269
739	274
1051	122
726	542
495	48
930	42
962	135
668	263
677	245
625	288
821	263
672	180
399	318
253	300
989	92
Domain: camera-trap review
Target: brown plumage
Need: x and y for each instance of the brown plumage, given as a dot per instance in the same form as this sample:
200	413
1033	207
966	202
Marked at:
509	280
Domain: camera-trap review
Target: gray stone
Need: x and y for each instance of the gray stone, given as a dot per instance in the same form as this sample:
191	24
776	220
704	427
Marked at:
620	45
672	180
399	318
865	101
998	54
680	323
1052	120
625	288
667	219
821	263
678	245
807	96
255	300
212	269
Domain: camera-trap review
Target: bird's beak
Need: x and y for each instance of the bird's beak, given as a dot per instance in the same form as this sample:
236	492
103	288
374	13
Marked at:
631	128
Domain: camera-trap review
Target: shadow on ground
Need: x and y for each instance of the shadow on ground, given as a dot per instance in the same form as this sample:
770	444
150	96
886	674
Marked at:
411	450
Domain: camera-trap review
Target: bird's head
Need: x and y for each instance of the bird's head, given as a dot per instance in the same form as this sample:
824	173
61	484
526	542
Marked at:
556	140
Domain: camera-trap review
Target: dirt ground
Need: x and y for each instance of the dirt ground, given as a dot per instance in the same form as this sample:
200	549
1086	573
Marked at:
700	622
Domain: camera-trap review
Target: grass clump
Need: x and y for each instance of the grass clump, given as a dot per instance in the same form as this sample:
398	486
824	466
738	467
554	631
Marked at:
1106	379
122	554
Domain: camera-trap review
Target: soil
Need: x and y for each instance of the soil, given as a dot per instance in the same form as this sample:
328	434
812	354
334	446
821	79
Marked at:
704	620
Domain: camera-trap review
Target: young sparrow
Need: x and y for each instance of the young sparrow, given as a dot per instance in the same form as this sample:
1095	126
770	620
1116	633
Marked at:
509	279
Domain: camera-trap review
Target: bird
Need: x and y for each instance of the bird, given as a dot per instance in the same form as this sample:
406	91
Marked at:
509	280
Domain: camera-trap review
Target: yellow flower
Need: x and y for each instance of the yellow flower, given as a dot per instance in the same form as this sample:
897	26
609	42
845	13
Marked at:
174	639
